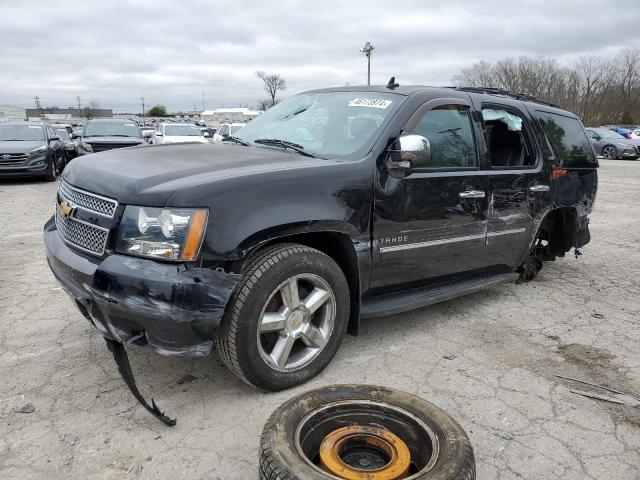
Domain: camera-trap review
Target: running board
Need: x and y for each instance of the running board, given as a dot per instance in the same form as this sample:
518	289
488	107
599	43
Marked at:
392	303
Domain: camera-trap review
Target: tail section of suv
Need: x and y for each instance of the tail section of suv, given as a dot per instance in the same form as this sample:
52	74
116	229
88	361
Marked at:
30	149
333	206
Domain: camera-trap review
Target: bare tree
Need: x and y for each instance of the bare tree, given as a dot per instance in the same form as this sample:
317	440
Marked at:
272	83
263	105
599	91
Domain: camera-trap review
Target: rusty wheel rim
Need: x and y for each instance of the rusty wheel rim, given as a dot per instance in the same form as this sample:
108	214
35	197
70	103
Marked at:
362	452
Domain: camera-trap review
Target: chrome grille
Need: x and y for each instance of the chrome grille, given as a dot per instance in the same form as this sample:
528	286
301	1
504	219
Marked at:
83	235
102	147
88	201
12	158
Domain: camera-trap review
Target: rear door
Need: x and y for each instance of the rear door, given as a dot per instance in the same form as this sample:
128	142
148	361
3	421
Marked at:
429	225
519	183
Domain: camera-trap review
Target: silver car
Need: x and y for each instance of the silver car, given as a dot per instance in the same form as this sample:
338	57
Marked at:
612	145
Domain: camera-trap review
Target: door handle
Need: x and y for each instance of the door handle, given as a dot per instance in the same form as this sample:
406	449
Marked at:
539	188
467	194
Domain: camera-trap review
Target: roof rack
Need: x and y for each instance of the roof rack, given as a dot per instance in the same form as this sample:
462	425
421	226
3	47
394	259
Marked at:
505	93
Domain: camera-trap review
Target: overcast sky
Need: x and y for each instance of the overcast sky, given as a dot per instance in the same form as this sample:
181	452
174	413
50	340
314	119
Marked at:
171	51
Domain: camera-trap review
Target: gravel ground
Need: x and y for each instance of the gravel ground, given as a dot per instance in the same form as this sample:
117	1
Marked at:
489	359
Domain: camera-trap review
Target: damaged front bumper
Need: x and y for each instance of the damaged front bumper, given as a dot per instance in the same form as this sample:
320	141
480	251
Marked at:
170	307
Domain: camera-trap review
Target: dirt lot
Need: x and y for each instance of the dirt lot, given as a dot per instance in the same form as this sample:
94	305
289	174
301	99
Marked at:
489	359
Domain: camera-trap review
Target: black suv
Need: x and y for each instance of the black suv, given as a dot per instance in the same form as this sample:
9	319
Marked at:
30	149
333	206
107	134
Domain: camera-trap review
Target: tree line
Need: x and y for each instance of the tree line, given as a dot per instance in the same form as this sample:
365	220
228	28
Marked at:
600	91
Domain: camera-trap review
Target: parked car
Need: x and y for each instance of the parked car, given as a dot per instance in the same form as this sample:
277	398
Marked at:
66	126
611	145
107	134
30	149
70	146
208	132
332	206
623	132
225	130
178	133
635	134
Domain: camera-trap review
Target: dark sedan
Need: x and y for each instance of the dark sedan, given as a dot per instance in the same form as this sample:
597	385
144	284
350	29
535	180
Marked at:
611	145
30	149
107	134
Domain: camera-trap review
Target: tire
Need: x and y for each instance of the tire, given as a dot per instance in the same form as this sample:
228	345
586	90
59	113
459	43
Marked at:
52	171
290	438
312	338
533	262
609	152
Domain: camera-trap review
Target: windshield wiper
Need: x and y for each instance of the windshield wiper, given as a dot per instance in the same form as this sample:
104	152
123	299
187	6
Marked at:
237	140
284	144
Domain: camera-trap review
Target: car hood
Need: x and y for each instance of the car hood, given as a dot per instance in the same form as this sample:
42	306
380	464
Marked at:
183	139
19	146
118	140
150	176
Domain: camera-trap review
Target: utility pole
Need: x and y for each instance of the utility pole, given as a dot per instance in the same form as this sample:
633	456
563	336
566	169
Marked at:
79	107
367	49
142	99
202	100
37	99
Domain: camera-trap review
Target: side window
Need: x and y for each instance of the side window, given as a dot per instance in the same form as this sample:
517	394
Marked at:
568	140
449	131
224	130
509	146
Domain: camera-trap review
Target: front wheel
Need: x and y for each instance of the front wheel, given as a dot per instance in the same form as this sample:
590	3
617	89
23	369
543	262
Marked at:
286	319
609	152
52	171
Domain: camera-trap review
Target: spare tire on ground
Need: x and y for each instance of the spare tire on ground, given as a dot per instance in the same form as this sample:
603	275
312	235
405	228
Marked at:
363	432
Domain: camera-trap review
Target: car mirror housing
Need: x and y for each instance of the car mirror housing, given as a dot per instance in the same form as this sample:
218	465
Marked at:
54	139
409	151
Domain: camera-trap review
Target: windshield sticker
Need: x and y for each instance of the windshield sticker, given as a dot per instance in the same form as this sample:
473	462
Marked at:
370	102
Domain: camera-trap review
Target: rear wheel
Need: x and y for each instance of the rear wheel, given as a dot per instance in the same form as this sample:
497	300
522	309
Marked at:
286	319
609	152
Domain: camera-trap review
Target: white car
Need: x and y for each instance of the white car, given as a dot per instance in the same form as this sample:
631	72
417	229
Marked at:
225	130
178	133
635	133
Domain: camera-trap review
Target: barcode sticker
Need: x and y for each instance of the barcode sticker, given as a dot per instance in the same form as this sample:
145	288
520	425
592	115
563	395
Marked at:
370	102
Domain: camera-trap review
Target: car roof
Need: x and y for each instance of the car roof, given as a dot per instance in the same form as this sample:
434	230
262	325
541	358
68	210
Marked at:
110	120
40	124
486	94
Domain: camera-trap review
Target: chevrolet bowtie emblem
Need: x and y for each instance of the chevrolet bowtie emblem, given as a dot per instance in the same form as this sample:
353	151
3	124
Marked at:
65	209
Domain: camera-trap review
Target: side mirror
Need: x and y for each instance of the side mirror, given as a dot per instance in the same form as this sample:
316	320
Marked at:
147	134
54	139
158	134
225	136
409	151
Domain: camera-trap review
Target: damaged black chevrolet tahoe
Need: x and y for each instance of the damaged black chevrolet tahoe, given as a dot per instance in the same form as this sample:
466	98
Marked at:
333	206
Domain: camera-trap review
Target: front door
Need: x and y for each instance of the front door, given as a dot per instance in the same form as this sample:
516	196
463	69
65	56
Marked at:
430	224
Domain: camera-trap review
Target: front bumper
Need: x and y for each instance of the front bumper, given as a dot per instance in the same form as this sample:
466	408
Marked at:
32	168
173	309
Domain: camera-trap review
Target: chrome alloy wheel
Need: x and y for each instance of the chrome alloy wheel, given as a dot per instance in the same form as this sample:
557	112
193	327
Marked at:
296	322
609	152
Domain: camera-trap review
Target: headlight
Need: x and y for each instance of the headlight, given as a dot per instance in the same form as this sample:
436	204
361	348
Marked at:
166	233
38	150
86	146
